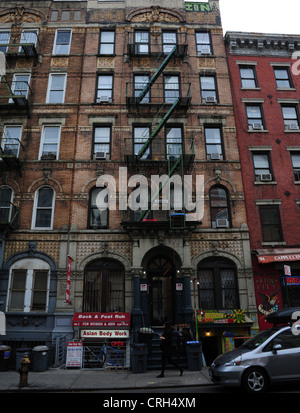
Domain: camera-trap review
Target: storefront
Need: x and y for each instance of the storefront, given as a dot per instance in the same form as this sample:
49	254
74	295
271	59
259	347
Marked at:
104	337
221	331
277	281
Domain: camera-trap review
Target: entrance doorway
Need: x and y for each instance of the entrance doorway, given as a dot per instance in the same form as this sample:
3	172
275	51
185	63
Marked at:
161	274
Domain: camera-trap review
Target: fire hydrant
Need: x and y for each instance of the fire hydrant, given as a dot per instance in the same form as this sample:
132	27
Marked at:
23	370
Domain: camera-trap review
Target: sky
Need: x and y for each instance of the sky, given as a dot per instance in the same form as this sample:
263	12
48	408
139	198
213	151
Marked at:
261	16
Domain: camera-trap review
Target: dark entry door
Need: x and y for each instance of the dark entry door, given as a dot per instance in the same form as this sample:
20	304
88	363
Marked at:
161	275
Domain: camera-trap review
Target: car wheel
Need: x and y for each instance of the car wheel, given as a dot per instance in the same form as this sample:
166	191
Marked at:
255	380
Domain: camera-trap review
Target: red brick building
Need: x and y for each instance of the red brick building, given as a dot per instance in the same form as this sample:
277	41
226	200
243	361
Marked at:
81	117
266	87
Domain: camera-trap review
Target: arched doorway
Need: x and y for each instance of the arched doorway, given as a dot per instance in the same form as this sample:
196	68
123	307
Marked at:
103	289
162	266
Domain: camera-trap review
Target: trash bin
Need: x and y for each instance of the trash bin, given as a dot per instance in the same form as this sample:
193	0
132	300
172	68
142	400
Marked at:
145	336
40	358
138	356
194	355
19	355
4	357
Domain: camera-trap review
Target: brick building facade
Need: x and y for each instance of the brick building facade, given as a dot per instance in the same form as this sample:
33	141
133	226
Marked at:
265	87
109	85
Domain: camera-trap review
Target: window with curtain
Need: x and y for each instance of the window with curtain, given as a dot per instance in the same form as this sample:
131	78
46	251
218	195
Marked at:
98	217
43	208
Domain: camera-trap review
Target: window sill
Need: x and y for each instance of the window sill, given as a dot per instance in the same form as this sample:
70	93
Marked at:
286	89
273	243
250	88
257	130
291	130
266	183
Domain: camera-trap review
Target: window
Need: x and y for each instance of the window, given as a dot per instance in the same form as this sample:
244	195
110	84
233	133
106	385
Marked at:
29	286
262	167
287	339
6	196
282	77
104	287
140	82
174	142
171	88
20	86
11	139
214	146
104	89
254	117
219	207
248	77
98	217
62	41
56	88
107	42
270	222
208	89
4	39
141	42
50	142
290	117
217	284
169	41
28	37
102	139
140	136
43	208
203	43
296	165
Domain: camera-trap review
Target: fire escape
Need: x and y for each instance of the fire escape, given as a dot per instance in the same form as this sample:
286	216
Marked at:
160	100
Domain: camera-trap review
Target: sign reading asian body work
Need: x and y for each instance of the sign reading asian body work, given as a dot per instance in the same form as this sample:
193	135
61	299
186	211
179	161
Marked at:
87	333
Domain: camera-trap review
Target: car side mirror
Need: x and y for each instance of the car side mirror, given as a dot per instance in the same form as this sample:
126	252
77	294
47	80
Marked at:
276	348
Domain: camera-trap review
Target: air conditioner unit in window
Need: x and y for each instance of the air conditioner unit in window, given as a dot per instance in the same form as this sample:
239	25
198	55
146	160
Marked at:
265	177
215	156
210	99
100	155
293	126
222	223
256	126
104	99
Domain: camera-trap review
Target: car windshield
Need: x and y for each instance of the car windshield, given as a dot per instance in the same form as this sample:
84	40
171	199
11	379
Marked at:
258	339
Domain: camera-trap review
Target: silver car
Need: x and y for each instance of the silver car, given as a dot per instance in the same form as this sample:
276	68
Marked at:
271	356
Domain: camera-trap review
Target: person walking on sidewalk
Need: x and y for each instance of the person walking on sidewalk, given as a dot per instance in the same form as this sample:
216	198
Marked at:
167	349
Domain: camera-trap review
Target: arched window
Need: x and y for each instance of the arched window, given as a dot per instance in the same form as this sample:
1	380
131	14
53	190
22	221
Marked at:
217	284
43	210
98	218
103	289
219	207
29	286
6	196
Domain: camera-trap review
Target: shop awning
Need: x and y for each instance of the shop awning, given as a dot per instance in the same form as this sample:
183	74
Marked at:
278	255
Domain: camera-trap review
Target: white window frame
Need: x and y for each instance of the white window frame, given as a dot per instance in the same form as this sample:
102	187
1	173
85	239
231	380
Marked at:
30	265
51	75
5	136
34	215
6	31
43	140
23	39
54	52
13	85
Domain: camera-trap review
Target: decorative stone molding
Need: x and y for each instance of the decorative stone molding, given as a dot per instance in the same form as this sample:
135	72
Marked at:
155	14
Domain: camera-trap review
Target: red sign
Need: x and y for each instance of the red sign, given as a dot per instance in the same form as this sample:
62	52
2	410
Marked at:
101	320
266	259
68	280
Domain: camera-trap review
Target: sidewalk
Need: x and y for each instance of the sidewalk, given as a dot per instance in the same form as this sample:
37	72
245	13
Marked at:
72	380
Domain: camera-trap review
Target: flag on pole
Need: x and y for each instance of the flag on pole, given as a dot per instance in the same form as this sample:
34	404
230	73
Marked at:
68	280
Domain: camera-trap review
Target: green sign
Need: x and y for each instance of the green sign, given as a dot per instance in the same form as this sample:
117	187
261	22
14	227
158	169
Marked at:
195	7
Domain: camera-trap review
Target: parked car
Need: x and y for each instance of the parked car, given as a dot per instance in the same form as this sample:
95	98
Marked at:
272	355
